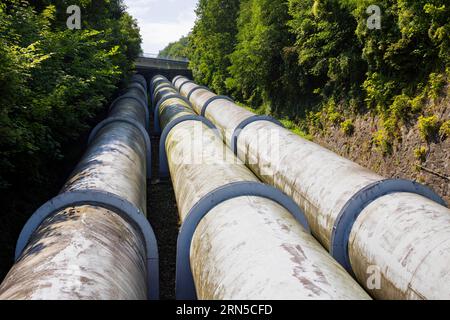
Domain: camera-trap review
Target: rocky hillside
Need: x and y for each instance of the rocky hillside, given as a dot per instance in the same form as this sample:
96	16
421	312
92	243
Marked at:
412	156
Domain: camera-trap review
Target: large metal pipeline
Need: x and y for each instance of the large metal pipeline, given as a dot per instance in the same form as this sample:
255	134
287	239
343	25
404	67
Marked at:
393	235
240	239
93	240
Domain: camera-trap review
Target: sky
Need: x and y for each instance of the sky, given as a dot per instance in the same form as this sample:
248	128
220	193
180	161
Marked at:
162	21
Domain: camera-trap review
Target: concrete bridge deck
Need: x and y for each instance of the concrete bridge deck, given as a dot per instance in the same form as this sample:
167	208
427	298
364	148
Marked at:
151	66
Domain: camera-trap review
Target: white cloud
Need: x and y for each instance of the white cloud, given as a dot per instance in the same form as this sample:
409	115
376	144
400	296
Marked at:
162	21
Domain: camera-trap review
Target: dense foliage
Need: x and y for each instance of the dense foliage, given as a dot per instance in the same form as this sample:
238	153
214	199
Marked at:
176	50
212	41
318	59
53	82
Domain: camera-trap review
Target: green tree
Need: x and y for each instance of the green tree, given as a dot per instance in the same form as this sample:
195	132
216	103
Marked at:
53	83
261	65
212	40
328	50
176	50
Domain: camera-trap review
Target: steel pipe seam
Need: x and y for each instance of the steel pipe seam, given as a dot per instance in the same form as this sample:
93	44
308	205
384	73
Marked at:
158	76
184	83
135	89
157	126
158	82
111	175
300	269
360	200
162	86
417	260
143	131
226	124
176	78
154	86
163	164
210	100
108	201
141	102
195	89
140	79
185	286
162	90
175	83
80	253
169	112
246	122
138	86
115	162
157	79
321	186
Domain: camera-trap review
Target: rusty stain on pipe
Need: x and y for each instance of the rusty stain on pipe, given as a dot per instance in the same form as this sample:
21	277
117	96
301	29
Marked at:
323	185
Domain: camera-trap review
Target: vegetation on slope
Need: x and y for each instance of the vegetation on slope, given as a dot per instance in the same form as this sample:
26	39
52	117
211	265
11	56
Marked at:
318	63
175	50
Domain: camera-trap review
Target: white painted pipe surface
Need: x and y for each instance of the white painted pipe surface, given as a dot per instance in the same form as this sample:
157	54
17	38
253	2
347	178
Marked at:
87	250
247	247
323	184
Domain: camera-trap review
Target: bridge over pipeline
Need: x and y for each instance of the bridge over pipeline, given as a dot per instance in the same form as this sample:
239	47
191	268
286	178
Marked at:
150	65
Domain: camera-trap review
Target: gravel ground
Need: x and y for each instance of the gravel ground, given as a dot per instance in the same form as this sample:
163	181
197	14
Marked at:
163	216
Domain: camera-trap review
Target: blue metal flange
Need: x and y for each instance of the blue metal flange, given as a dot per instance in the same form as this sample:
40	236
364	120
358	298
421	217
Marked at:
156	124
195	89
163	164
185	286
209	101
246	122
359	201
109	201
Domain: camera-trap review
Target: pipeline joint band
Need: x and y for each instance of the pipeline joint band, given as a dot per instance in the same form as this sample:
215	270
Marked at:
109	201
141	102
209	101
156	124
185	82
245	123
185	286
195	89
163	163
176	78
139	79
359	201
138	86
154	81
137	125
165	86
